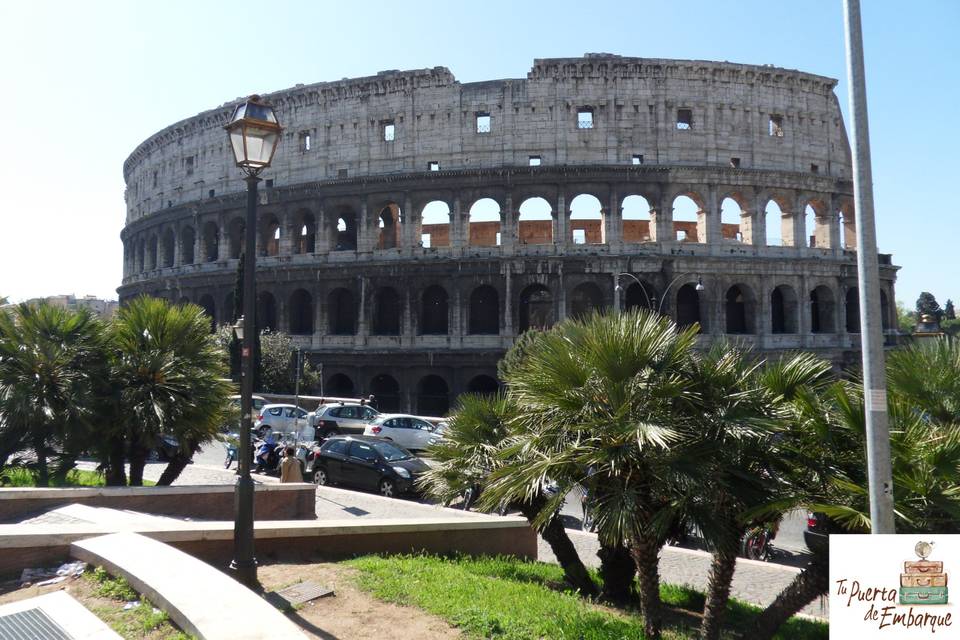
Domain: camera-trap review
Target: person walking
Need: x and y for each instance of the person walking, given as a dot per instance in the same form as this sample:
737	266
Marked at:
290	467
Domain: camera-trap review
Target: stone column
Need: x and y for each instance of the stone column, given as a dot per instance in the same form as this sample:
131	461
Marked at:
709	219
561	297
409	226
758	224
364	240
320	316
661	223
508	226
508	300
458	227
763	324
407	330
321	237
199	250
560	222
613	220
362	313
457	328
223	246
289	235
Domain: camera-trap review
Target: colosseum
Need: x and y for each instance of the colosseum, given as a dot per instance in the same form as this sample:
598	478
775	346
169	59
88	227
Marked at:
411	226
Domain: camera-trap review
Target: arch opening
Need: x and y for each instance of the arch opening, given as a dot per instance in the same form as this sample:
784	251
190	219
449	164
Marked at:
169	248
344	232
483	385
636	219
535	222
305	227
211	242
236	234
187	241
484	311
730	216
688	219
210	308
738	315
433	396
536	308
435	224
388	222
434	311
852	310
586	220
821	310
342	312
774	221
386	312
688	306
270	236
301	313
386	393
266	311
783	310
485	224
340	385
585	300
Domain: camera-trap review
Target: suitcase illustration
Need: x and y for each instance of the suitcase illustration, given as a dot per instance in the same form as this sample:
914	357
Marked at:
923	581
923	595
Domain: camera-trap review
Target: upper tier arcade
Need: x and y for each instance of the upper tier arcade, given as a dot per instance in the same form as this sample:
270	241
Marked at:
597	110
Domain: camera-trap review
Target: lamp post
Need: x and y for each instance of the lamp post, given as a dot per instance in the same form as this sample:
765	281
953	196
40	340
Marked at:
651	300
254	134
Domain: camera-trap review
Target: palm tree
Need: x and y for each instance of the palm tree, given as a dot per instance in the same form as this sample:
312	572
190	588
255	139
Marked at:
600	402
469	453
825	449
170	375
52	362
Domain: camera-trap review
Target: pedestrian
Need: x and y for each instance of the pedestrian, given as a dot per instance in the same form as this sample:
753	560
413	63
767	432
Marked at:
290	467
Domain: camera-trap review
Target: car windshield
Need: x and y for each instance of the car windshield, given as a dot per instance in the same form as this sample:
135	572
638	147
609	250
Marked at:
391	452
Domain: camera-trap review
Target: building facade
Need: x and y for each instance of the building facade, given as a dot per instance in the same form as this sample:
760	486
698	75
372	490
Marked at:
412	226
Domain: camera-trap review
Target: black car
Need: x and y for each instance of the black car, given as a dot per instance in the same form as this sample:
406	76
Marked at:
819	526
367	463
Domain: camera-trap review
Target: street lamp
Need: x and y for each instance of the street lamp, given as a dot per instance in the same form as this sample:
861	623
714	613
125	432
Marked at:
651	300
254	134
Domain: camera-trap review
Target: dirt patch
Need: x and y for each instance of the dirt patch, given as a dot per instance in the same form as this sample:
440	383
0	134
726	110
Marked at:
351	614
128	623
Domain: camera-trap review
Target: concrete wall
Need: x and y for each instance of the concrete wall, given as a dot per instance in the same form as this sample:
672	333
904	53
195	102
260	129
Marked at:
213	502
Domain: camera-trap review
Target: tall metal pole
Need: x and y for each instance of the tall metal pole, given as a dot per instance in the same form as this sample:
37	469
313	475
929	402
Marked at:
868	280
244	562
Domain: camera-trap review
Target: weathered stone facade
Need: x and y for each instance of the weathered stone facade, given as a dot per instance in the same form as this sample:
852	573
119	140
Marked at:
416	303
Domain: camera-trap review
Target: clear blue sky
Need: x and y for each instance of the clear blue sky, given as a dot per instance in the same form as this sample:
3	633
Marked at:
84	82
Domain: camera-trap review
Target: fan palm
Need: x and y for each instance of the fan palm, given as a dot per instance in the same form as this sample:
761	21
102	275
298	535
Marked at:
170	376
52	363
599	403
468	454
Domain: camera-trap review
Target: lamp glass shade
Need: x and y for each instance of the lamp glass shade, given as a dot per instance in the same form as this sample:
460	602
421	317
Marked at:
254	134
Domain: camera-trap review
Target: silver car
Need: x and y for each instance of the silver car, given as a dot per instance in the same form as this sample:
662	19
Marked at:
342	417
286	418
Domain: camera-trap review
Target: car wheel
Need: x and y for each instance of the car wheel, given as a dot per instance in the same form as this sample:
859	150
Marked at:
320	477
263	431
388	489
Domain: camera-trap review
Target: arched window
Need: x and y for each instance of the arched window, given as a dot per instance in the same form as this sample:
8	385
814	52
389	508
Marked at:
809	227
774	223
141	255
433	396
852	308
848	228
389	227
342	312
435	224
187	241
688	305
535	222
305	232
270	236
433	311
585	299
485	223
821	310
386	312
484	311
386	393
169	248
637	296
211	242
344	232
586	220
236	232
783	310
730	217
736	308
301	313
267	312
209	308
536	308
636	219
686	217
152	253
230	312
339	386
483	385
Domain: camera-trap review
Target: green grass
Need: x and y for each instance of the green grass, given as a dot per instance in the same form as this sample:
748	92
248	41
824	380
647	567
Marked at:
135	621
510	599
23	477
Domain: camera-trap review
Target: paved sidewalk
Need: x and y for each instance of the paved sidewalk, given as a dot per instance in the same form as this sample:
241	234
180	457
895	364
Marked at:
755	582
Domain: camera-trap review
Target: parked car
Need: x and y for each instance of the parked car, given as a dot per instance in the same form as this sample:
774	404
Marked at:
406	430
819	526
342	417
366	463
286	418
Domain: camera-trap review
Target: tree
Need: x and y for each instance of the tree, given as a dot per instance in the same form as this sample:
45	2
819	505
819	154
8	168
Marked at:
948	311
599	402
927	305
471	450
52	362
906	319
170	378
